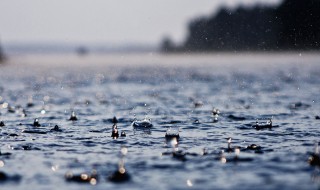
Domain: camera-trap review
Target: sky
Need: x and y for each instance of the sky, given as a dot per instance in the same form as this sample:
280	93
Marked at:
103	21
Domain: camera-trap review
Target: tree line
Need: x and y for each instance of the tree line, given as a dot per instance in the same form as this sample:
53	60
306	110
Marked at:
292	25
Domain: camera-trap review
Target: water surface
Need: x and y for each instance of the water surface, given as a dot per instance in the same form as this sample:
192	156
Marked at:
177	91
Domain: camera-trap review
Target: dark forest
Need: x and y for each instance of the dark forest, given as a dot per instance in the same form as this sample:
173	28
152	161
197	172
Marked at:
292	25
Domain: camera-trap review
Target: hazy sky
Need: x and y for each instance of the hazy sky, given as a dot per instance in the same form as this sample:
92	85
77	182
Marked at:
102	21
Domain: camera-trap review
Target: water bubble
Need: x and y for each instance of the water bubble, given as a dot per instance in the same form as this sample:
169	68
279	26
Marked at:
145	123
55	168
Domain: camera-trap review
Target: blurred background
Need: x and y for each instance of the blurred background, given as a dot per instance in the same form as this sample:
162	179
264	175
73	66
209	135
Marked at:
99	26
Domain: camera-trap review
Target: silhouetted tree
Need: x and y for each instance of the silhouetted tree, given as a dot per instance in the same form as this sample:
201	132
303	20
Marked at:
82	51
167	45
231	30
300	24
2	57
294	24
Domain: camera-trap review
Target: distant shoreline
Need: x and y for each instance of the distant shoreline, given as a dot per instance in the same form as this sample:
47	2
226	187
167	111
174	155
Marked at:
12	51
195	52
164	60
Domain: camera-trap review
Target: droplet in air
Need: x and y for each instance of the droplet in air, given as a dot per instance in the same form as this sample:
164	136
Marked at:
189	183
1	163
46	98
124	151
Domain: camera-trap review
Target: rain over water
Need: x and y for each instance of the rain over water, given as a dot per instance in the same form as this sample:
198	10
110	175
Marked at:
219	121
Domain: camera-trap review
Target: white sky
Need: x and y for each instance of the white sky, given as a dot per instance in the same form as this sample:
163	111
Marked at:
102	21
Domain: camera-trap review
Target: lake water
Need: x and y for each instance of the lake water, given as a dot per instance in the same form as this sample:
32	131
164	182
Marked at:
177	91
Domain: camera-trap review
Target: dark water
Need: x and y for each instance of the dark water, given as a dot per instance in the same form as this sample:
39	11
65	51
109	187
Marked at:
174	91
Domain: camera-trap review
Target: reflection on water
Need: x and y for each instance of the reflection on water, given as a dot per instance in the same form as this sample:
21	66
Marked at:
58	125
